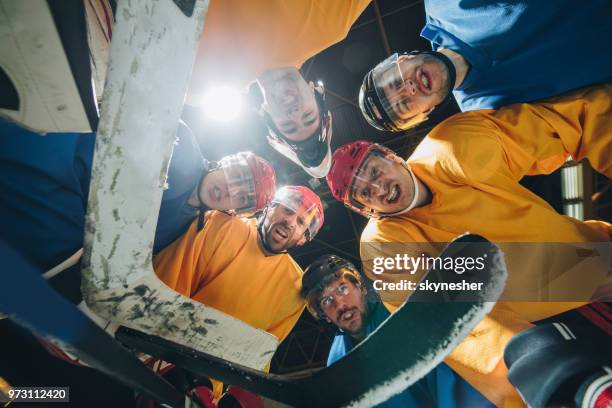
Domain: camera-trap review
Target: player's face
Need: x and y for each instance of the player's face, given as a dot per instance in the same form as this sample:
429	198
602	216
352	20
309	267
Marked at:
216	194
344	305
417	86
383	185
290	102
285	228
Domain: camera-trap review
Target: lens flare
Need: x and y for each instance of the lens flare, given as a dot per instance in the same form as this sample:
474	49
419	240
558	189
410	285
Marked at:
222	103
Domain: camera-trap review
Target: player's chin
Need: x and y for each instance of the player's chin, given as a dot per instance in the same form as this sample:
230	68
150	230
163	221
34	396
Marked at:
275	246
227	206
354	326
391	209
280	246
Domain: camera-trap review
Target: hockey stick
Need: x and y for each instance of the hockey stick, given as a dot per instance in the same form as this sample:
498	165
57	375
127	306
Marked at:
58	321
153	50
410	343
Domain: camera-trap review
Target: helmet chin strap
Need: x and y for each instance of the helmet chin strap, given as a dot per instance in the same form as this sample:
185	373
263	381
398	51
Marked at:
262	235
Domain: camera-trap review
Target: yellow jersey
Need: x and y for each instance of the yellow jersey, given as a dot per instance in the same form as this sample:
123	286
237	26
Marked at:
224	267
241	39
472	164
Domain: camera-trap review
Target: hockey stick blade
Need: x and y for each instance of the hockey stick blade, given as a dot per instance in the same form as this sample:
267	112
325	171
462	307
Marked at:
410	343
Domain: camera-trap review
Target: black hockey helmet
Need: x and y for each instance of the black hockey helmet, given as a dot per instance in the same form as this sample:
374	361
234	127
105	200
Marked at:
323	266
374	105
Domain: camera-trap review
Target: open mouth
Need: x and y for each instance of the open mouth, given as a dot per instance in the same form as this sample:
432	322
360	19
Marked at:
394	194
347	315
280	233
423	79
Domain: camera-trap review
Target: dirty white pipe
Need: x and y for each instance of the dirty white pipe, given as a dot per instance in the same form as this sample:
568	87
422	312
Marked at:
152	55
32	56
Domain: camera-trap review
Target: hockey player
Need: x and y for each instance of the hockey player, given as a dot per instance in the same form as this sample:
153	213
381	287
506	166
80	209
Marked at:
298	122
241	183
452	184
334	292
45	187
490	56
241	267
269	41
44	196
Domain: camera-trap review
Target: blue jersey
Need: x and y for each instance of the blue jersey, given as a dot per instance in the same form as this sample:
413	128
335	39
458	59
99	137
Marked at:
523	50
45	183
441	387
186	168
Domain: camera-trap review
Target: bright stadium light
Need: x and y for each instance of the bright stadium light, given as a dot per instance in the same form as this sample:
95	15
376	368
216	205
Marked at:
222	103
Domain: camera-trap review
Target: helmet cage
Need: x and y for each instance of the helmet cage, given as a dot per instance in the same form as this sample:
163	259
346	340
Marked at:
294	201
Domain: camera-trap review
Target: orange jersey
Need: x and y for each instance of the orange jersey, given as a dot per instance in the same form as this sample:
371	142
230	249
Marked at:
224	267
472	163
241	39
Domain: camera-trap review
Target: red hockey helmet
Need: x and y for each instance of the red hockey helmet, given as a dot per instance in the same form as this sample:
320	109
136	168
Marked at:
250	176
346	163
264	177
302	200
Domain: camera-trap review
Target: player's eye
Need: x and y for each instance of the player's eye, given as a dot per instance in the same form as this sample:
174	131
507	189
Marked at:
326	302
343	289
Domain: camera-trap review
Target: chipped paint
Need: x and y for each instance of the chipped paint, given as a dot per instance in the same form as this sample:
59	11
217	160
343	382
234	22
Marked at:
126	14
134	67
114	247
115	178
106	272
